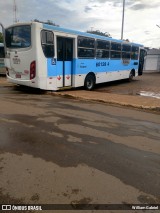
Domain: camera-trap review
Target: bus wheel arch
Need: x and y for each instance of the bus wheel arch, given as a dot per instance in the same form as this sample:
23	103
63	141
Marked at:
131	75
90	81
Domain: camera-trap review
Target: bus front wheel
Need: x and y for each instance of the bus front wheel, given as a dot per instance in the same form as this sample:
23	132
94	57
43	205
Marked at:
89	82
131	75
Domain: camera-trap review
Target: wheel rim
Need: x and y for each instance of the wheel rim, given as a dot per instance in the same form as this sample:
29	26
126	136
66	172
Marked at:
89	83
131	76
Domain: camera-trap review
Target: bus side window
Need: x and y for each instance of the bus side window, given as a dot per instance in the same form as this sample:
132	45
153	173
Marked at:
115	50
134	53
126	51
102	50
47	41
86	47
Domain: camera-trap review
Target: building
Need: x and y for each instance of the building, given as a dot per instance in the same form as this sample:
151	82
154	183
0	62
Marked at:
152	60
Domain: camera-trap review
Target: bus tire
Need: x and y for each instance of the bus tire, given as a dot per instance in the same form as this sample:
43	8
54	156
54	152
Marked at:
131	75
89	82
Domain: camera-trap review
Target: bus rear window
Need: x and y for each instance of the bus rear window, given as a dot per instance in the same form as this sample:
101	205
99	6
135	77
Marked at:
18	37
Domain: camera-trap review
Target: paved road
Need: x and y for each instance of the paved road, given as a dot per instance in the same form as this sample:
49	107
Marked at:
59	150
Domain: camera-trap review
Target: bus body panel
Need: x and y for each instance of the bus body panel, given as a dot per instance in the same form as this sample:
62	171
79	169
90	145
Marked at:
19	59
18	62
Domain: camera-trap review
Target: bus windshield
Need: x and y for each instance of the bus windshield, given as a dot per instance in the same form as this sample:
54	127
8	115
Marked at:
18	37
2	52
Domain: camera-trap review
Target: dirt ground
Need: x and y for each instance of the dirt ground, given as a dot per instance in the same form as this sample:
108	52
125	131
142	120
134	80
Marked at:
149	82
142	93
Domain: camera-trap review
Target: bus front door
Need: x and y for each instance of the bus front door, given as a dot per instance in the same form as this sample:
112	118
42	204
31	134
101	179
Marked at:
64	61
141	61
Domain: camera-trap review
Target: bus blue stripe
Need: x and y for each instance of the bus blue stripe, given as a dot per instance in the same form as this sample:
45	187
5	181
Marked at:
84	66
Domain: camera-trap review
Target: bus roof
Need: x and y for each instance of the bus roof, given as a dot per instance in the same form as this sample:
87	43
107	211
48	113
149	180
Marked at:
85	34
75	32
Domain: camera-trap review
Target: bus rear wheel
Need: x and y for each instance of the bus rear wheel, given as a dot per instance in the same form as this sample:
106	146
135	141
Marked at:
89	82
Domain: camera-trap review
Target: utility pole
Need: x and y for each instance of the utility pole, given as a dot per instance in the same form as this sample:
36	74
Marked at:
123	20
14	12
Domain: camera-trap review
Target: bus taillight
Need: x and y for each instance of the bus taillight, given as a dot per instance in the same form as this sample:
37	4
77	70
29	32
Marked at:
32	70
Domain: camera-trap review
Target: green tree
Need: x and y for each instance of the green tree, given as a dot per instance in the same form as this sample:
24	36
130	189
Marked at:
50	22
1	37
97	32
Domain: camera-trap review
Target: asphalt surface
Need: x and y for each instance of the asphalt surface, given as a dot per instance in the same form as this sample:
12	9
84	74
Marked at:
59	150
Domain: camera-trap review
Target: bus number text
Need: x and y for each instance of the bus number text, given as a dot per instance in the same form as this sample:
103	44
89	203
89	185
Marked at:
101	64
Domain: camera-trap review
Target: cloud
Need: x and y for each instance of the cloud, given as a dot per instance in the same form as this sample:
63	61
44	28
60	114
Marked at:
143	4
87	9
147	32
140	6
141	16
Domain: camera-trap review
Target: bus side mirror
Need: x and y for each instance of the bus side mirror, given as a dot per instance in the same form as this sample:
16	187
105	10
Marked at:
135	63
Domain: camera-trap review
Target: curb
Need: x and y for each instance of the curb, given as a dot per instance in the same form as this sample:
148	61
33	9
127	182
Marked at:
138	102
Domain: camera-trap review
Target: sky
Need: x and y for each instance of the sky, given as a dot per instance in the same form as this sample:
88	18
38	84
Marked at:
140	18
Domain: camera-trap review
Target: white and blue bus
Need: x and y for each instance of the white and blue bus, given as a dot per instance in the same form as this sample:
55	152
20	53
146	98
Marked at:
53	58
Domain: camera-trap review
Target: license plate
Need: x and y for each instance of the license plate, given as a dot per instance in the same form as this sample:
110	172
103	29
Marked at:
16	61
18	75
